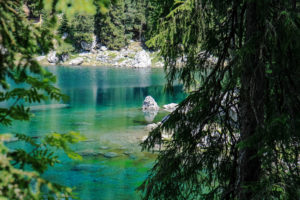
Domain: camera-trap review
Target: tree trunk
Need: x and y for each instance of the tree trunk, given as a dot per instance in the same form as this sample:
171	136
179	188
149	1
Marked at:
251	107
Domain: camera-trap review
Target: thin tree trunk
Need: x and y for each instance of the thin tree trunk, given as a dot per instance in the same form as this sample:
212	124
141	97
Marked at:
251	107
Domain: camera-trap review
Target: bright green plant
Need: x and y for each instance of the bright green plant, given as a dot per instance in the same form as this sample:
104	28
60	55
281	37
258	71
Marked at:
20	170
20	41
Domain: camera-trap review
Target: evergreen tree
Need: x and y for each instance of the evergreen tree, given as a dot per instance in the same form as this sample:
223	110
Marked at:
20	41
155	11
237	134
81	29
110	27
135	19
35	8
125	20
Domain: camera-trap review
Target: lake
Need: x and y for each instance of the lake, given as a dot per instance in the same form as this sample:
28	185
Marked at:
105	106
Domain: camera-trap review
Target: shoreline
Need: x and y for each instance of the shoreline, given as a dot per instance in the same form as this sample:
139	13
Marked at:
133	56
44	64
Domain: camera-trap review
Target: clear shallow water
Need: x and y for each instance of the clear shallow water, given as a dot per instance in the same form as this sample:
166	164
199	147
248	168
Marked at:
105	106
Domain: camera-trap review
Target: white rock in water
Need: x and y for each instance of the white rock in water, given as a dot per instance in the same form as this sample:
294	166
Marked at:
170	107
150	104
76	61
52	58
142	59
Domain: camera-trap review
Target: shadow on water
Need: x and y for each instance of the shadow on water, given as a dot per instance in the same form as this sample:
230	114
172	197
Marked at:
132	96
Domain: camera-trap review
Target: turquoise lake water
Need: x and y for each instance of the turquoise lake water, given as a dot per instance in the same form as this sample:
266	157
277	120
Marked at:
105	106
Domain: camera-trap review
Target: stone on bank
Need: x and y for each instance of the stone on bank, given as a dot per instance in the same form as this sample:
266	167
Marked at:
76	61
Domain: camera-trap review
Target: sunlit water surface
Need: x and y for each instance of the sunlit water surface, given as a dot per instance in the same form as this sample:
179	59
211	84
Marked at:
105	106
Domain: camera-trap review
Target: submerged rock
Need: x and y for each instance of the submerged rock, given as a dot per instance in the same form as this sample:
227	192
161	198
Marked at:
89	140
82	123
130	155
9	139
110	155
104	148
86	167
89	153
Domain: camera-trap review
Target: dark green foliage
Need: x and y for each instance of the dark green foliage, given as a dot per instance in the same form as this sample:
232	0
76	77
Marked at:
124	21
82	27
78	28
110	27
20	41
35	8
17	182
155	11
64	26
237	134
135	19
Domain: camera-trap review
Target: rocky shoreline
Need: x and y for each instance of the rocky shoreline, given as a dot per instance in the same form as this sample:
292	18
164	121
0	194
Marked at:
133	56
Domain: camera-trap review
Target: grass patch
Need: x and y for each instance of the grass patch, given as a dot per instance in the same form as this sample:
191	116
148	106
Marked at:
155	58
121	60
131	55
112	55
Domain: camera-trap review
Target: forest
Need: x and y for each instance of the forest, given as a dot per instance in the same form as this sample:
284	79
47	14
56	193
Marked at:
114	25
218	119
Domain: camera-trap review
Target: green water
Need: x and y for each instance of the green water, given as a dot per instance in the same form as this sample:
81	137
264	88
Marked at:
105	107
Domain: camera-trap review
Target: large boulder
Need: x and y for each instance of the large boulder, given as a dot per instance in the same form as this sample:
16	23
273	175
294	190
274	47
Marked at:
76	61
142	59
52	58
150	104
150	108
